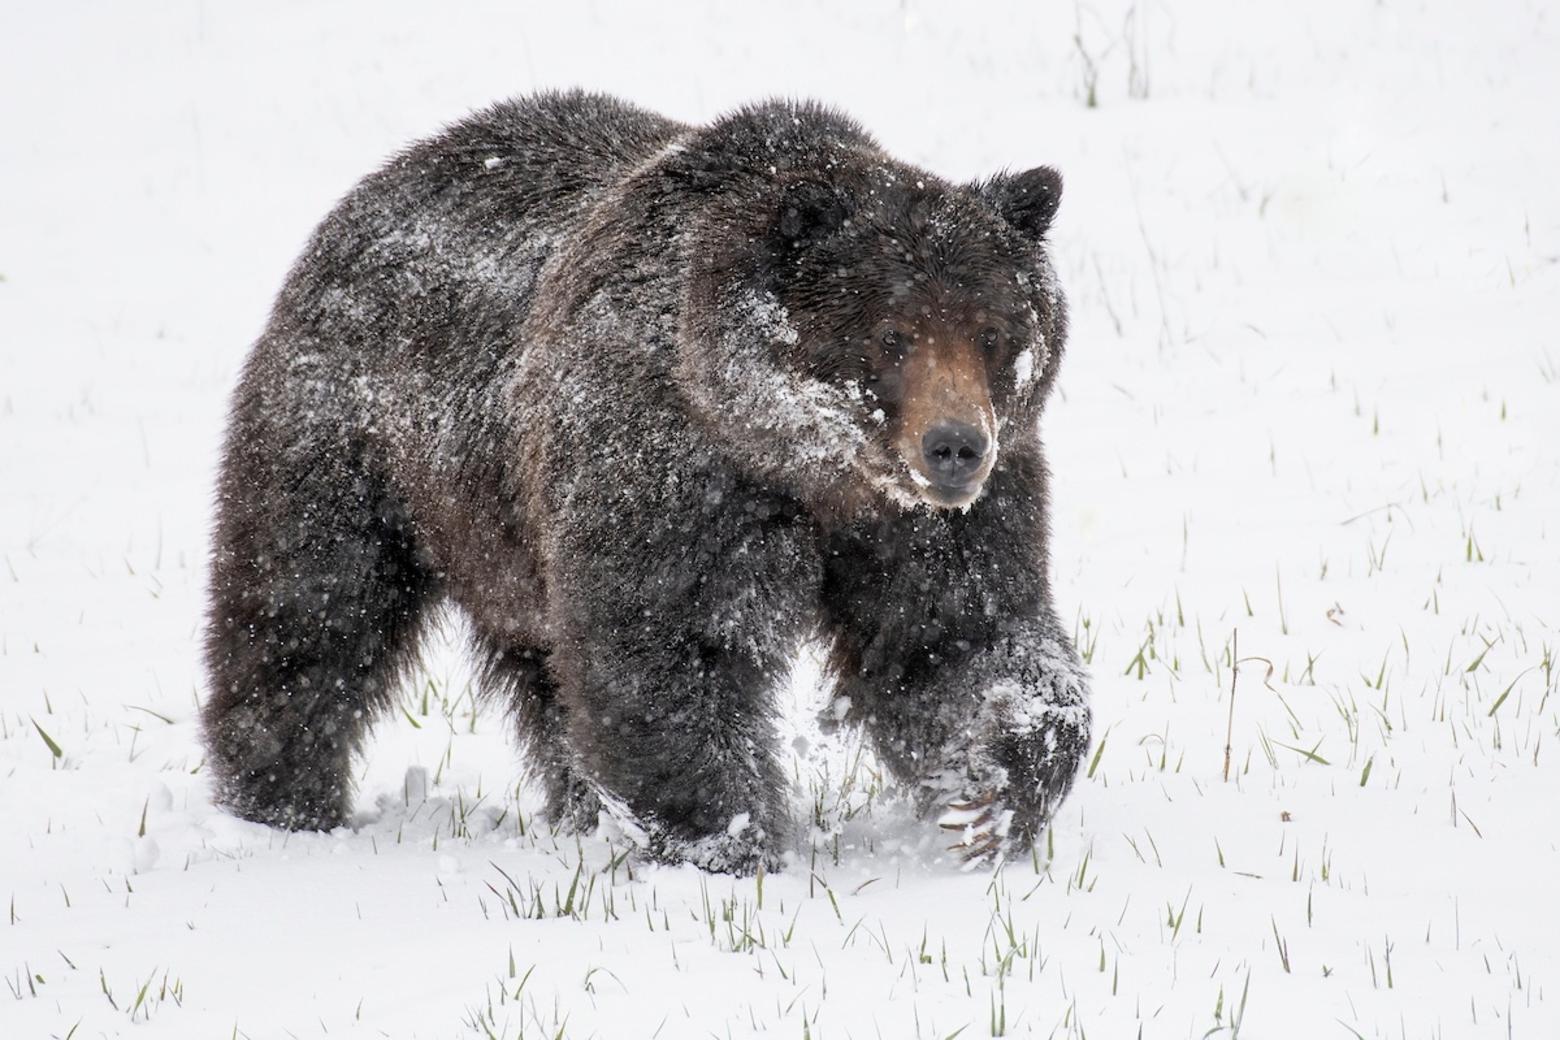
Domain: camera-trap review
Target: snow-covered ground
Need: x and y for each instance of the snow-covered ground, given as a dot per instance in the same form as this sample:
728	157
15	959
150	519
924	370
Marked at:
1312	398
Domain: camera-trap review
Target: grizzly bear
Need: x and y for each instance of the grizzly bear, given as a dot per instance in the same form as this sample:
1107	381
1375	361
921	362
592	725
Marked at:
655	405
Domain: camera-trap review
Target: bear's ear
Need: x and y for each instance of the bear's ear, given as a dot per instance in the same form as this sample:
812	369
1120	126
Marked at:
810	211
1026	200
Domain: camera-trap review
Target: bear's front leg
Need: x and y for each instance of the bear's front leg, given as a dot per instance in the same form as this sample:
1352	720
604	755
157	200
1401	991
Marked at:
674	631
677	736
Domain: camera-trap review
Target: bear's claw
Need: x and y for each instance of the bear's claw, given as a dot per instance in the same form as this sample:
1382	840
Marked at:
982	825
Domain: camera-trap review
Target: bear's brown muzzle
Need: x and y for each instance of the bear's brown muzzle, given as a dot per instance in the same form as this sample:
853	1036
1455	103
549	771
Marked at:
947	429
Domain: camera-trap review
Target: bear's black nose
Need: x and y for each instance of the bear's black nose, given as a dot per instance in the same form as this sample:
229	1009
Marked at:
953	452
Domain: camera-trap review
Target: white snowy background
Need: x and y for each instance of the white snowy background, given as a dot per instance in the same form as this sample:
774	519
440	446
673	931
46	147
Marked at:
1312	396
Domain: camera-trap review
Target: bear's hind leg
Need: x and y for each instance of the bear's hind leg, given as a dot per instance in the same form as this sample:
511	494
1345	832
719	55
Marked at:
317	599
520	678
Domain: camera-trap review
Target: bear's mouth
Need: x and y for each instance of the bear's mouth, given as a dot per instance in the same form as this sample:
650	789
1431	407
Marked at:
948	493
907	487
947	496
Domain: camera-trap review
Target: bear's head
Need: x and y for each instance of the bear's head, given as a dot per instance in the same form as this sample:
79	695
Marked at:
876	334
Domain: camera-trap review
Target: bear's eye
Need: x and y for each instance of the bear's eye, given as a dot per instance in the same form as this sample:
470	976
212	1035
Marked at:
893	341
989	338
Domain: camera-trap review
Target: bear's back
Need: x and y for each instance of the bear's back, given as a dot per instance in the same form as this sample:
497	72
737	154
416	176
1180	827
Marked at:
447	237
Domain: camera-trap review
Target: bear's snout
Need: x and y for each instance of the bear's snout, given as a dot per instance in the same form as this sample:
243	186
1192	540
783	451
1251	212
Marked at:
946	419
954	455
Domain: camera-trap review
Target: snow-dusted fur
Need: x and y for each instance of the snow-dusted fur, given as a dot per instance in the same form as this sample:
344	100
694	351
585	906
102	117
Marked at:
608	383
